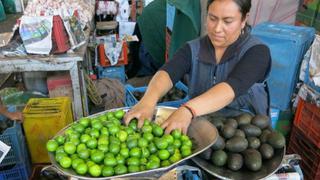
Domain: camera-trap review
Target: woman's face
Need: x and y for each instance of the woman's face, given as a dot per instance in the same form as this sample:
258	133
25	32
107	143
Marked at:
224	23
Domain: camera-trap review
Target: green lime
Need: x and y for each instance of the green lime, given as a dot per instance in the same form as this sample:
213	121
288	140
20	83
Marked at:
161	143
146	122
97	125
119	114
148	136
129	130
177	143
74	156
176	134
84	138
84	121
65	162
152	148
79	128
157	131
113	130
114	140
163	154
103	140
90	163
110	115
74	135
145	152
114	148
95	170
107	171
52	145
133	124
132	168
120	159
60	149
152	165
135	152
103	147
92	143
131	143
184	138
82	168
171	149
59	156
134	161
104	131
169	138
87	130
186	152
122	135
165	163
94	133
146	128
143	161
124	152
187	143
75	141
142	142
69	148
84	154
175	158
80	147
110	161
120	169
97	156
76	162
154	158
60	139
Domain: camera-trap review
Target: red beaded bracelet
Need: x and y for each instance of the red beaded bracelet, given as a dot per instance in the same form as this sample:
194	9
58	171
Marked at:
190	109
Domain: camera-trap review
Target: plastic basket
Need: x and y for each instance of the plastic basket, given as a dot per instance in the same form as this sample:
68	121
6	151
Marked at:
285	64
309	153
131	99
307	120
114	72
13	137
274	114
60	86
43	119
20	171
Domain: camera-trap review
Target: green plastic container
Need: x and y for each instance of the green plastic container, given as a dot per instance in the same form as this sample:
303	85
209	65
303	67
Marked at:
2	13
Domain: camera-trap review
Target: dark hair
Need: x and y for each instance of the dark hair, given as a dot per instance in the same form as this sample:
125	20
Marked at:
244	6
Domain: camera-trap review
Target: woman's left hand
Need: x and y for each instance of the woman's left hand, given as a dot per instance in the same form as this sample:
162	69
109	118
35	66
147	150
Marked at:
180	120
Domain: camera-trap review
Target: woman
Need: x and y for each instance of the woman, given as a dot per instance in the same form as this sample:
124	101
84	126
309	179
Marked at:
226	69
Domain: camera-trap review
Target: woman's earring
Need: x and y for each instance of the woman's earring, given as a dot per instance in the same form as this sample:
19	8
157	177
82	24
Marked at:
242	31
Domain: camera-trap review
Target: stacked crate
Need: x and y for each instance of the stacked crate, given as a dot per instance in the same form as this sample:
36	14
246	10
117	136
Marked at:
16	164
43	118
287	45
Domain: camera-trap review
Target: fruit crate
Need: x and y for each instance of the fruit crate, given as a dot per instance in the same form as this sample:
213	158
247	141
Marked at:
132	100
13	137
43	118
307	120
309	153
285	64
20	171
113	72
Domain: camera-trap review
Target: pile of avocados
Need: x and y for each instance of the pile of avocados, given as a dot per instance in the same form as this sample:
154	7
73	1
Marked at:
244	141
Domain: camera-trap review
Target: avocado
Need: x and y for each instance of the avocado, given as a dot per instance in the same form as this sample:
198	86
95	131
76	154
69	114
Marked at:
217	122
252	159
236	144
244	119
206	154
219	144
231	122
266	151
254	142
219	158
250	130
240	133
276	140
235	161
228	131
264	135
261	121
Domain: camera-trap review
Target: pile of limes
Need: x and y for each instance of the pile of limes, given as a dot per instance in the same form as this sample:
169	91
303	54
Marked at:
102	146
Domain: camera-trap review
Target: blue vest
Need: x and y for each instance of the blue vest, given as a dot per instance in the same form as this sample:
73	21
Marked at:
203	76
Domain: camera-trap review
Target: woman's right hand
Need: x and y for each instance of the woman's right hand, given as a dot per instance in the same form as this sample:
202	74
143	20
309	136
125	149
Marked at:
141	111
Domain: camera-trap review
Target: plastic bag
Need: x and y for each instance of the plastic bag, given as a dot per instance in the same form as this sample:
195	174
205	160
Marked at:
36	34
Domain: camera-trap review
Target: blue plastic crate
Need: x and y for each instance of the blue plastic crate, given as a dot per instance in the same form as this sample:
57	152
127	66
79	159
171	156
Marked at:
114	72
13	137
131	100
20	171
288	45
